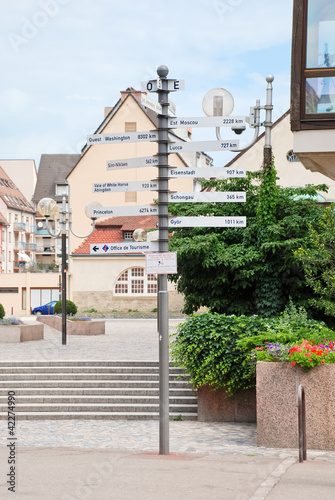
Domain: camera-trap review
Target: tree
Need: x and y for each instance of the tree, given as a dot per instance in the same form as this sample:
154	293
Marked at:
318	261
246	270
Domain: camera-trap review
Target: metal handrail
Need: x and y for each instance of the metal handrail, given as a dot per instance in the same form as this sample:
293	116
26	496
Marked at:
302	424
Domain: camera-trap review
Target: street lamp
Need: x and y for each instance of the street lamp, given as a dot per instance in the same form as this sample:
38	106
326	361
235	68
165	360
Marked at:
49	209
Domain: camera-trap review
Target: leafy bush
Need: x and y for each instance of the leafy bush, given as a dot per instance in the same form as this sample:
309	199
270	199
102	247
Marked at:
2	311
71	308
206	345
10	321
219	350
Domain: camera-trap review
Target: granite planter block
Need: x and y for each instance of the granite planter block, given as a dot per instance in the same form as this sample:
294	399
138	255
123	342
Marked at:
216	406
277	412
74	327
21	333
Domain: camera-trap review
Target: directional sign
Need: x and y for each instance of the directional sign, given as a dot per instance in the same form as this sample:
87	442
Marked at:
161	263
133	247
180	147
207	172
121	211
154	85
155	106
143	161
209	197
208	121
207	221
119	187
127	137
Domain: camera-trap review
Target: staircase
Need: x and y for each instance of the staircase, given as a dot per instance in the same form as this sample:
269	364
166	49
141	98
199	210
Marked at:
92	390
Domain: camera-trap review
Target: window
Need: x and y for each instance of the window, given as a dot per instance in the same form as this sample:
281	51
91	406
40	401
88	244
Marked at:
291	157
128	235
134	281
130	127
9	256
313	65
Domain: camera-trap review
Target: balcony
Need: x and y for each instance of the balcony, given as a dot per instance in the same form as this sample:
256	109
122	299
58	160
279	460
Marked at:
19	245
19	226
31	228
31	246
45	249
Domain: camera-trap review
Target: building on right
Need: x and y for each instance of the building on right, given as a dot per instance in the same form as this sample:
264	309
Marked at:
313	84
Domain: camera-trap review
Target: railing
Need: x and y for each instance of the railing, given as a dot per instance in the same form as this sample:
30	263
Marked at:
19	226
302	424
31	228
50	249
31	246
19	245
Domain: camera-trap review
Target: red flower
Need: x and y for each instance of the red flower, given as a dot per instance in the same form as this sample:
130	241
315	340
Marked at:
293	363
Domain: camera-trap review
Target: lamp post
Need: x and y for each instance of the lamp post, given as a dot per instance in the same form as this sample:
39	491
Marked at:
49	209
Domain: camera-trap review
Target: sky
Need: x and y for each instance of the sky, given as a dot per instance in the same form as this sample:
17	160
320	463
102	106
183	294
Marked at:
63	61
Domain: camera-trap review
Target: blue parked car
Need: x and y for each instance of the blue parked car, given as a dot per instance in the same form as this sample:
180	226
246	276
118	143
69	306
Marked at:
45	309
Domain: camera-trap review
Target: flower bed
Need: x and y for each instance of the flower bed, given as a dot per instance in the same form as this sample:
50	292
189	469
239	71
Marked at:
76	327
18	332
277	413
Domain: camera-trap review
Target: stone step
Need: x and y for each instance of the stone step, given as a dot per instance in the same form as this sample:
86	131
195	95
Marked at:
85	376
23	400
107	391
10	385
78	407
100	416
71	363
85	369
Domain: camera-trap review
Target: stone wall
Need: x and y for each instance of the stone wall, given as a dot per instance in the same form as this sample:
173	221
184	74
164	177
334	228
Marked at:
277	412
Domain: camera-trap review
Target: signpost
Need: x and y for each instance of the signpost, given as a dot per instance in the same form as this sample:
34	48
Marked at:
157	85
213	172
208	121
127	137
122	211
225	145
207	221
143	161
119	187
208	197
116	248
155	106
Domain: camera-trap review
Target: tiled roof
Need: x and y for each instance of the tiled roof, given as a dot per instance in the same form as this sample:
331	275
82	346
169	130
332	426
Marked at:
111	230
11	195
3	221
53	169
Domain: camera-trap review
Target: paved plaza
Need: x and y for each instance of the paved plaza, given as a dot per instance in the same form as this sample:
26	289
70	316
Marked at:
120	444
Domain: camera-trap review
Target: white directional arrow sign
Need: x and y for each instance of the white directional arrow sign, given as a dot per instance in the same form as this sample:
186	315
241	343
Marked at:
121	211
207	172
126	137
207	221
180	147
208	121
114	248
143	161
119	187
208	197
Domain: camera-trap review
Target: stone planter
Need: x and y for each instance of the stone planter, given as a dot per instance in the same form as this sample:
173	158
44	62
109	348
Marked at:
74	327
277	412
216	406
21	333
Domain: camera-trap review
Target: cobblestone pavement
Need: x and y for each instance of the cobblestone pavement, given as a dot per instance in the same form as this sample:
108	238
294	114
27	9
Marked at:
128	340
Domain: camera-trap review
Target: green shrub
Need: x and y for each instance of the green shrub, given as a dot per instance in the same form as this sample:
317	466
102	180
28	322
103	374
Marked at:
2	311
71	308
218	350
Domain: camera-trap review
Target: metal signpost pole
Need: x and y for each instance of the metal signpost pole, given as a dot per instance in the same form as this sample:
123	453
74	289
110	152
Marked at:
63	287
268	123
163	298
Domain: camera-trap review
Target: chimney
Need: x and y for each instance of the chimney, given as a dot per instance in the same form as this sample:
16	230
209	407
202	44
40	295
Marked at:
130	90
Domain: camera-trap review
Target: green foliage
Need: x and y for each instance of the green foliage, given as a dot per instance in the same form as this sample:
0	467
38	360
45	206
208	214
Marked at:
91	310
2	311
71	308
218	350
246	270
206	345
318	261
